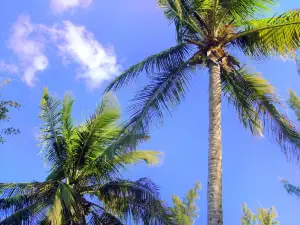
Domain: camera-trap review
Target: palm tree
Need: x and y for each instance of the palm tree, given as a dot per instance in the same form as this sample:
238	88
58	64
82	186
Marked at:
85	185
186	211
209	34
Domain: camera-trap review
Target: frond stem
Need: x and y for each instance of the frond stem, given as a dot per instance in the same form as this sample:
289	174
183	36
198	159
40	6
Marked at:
199	44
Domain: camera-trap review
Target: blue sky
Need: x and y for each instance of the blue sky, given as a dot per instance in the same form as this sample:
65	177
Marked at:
80	45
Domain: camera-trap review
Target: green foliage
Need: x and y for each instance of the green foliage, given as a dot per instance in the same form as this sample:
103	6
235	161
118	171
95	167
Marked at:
85	185
5	106
294	103
264	216
186	211
207	32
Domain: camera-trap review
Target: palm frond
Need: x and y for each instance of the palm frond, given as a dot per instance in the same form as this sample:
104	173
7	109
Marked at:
185	15
130	158
56	174
97	132
101	217
26	202
51	140
66	206
28	215
291	189
165	92
256	103
242	10
244	100
142	188
152	64
13	189
126	142
67	123
102	164
297	60
67	127
278	35
107	169
137	200
16	201
69	139
294	103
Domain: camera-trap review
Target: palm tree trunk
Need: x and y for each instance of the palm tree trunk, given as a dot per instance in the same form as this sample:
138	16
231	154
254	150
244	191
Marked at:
214	189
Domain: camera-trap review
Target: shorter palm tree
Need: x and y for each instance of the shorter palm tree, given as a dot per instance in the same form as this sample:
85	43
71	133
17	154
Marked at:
84	185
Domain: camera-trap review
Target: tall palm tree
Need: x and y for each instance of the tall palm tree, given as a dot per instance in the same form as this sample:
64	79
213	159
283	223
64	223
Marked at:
85	185
209	34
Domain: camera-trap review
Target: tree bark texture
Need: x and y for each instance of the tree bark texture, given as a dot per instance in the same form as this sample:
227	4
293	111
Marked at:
214	189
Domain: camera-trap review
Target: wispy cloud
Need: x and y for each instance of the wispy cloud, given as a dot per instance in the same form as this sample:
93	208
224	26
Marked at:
63	5
28	46
9	68
76	44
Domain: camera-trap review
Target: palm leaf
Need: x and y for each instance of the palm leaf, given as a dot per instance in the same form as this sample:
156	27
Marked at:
22	199
51	141
166	91
291	189
185	15
97	132
130	158
137	200
26	203
101	217
66	206
107	169
14	189
256	101
67	128
56	174
28	215
243	10
125	142
278	35
152	64
294	103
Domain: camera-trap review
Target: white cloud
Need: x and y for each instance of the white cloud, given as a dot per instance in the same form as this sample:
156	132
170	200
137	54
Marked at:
75	44
78	45
62	5
28	46
6	67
